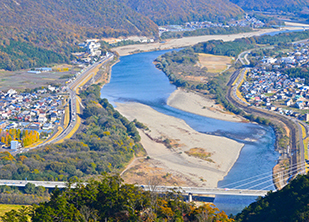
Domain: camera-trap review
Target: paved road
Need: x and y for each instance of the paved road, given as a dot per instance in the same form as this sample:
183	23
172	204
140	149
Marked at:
72	87
160	189
291	123
207	191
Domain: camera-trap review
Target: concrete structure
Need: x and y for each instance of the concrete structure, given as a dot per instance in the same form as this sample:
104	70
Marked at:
307	117
160	189
14	145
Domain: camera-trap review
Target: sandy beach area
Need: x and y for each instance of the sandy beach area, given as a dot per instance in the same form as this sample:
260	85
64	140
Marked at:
189	41
223	152
194	103
179	163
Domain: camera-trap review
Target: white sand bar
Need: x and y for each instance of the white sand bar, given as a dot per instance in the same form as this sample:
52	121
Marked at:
224	152
192	40
194	103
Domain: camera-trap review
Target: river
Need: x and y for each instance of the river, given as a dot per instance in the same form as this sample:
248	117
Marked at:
136	79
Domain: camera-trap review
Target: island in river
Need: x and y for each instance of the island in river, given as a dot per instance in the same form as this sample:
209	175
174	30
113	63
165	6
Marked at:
192	40
220	153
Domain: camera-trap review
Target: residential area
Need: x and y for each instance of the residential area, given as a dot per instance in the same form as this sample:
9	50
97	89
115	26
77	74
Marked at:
269	86
191	26
38	111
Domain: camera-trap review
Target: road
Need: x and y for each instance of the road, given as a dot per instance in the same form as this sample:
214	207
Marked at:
206	191
245	55
159	189
291	123
72	89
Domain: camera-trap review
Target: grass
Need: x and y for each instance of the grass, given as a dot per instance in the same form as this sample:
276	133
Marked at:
305	141
269	94
60	129
199	153
34	144
303	131
8	207
238	93
78	122
66	117
214	63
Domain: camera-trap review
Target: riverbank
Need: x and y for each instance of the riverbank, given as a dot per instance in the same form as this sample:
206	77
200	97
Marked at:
222	152
192	40
192	102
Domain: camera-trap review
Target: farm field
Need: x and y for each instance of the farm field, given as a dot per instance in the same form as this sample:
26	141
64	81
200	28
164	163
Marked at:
214	63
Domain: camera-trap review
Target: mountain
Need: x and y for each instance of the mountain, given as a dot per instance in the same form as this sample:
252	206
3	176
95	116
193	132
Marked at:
74	15
179	11
56	25
267	5
111	17
289	204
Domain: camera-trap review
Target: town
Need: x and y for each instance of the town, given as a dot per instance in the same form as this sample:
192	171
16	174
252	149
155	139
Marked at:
191	26
268	85
39	111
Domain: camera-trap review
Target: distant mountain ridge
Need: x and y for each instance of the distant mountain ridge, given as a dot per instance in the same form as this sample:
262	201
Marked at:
179	11
117	17
268	5
72	15
56	25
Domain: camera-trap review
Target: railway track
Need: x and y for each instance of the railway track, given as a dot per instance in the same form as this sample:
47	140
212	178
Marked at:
294	141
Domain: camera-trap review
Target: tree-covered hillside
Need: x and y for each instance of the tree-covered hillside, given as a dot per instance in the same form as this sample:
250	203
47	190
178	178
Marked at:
266	5
105	142
56	25
291	204
111	200
180	11
104	17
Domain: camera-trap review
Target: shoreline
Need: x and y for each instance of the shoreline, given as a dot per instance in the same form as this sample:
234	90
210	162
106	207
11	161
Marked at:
192	40
192	102
153	140
223	152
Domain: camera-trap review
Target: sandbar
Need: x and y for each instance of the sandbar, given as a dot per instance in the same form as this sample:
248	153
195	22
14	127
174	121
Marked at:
192	40
224	152
192	102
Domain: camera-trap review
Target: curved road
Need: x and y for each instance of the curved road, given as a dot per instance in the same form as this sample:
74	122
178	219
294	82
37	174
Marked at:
72	88
295	130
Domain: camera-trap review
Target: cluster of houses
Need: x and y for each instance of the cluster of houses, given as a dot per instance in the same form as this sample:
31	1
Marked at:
190	26
34	111
297	58
247	22
277	91
92	53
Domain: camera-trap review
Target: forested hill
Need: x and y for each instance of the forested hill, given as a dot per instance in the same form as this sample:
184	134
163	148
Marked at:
115	16
289	204
178	11
56	25
75	15
265	5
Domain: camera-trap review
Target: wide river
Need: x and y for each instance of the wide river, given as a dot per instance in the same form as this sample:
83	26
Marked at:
136	79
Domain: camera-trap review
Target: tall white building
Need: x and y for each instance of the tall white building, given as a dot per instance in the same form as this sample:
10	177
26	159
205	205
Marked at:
14	145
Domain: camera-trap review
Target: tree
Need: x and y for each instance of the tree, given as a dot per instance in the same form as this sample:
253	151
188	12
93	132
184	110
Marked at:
21	215
30	188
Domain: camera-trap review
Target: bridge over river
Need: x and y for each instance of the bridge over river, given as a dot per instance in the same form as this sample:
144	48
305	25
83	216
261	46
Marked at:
159	189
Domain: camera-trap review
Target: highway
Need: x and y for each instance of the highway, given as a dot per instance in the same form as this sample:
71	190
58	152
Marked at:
296	141
159	189
72	89
206	191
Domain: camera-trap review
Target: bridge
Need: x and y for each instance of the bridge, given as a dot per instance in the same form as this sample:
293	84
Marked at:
257	185
159	189
206	191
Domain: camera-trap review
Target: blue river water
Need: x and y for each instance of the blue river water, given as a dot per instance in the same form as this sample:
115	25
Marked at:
136	79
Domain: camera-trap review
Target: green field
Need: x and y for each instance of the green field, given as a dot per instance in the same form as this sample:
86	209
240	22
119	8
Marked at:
7	207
